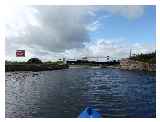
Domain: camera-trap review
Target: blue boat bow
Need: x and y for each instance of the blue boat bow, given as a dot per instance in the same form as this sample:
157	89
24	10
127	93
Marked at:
89	112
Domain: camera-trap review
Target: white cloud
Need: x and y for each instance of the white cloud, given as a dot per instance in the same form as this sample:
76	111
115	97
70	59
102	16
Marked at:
113	48
138	48
60	28
56	31
93	26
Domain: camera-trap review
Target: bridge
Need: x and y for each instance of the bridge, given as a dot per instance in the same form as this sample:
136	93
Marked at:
94	60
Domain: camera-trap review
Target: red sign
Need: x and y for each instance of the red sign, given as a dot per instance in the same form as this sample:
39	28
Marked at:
20	53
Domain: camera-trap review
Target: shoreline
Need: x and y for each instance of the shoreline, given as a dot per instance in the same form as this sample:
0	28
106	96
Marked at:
34	67
49	67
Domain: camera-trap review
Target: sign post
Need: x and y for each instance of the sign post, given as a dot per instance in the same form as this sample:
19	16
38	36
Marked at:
20	53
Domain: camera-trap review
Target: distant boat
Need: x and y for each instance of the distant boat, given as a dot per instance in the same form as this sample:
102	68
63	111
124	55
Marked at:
89	112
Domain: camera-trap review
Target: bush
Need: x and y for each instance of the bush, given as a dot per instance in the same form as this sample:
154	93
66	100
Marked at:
34	61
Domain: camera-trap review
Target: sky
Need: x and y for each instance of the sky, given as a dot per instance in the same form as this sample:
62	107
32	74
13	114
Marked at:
53	32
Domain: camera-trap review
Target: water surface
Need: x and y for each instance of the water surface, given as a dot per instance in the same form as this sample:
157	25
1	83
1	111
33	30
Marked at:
64	93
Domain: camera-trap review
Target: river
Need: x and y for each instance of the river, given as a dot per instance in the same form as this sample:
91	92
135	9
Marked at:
64	93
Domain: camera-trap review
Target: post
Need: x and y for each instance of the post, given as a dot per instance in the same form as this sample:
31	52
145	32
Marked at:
130	53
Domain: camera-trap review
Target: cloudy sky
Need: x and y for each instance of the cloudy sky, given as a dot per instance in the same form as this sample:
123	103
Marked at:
53	32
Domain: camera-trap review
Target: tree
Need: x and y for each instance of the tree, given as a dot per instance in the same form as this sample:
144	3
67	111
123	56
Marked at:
34	61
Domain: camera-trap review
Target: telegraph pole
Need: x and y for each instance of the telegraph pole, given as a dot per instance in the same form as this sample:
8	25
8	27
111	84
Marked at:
130	53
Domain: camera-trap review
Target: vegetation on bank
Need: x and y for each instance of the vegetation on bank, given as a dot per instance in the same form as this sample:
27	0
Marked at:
34	64
147	58
34	61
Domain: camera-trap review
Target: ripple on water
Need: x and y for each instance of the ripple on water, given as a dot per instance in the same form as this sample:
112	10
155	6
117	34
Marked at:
64	93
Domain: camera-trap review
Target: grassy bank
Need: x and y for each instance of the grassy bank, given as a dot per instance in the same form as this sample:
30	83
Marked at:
146	58
25	66
33	67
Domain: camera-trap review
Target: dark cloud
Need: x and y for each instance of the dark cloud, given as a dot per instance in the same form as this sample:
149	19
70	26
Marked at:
60	28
